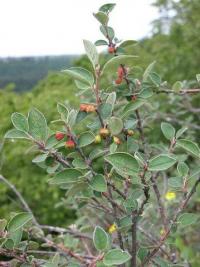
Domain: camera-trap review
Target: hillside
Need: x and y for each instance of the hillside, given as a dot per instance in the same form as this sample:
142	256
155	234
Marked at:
25	72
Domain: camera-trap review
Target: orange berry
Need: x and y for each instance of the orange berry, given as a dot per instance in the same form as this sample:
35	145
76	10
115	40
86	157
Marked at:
104	132
111	49
118	81
59	136
120	72
70	144
90	108
83	107
116	140
130	132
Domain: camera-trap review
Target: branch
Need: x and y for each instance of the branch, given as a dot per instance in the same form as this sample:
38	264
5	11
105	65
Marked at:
167	233
20	197
181	92
61	230
160	204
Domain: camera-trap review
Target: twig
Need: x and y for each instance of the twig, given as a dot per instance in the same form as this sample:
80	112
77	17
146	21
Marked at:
160	204
64	230
20	197
167	233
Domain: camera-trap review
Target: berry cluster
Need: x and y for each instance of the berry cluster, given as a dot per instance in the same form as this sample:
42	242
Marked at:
69	143
87	108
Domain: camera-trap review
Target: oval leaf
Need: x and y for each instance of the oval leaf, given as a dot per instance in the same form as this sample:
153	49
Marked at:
189	146
91	52
16	134
37	125
98	183
161	163
123	162
116	257
168	130
115	125
80	74
86	139
66	176
100	238
18	221
19	121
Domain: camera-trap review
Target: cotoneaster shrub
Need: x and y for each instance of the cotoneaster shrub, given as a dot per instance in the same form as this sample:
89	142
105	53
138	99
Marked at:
131	188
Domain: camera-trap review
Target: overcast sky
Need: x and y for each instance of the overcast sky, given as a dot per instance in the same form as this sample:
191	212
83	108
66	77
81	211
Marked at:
54	27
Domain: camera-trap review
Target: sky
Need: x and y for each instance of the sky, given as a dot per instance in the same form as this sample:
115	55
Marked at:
56	27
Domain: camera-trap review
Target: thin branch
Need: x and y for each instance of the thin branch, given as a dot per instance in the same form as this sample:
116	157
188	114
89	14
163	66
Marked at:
24	204
61	230
181	92
160	204
167	233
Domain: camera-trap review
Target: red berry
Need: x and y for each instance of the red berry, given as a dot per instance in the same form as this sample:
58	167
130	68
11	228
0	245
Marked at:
59	136
111	49
134	97
70	144
118	81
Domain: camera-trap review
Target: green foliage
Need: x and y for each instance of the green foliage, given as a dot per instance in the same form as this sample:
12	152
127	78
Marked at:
111	158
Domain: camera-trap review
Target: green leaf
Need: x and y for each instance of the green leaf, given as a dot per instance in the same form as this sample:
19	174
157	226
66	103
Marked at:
116	257
107	8
107	32
105	110
92	53
161	162
100	238
176	182
148	71
20	122
114	62
198	77
37	125
111	99
98	183
189	146
85	139
16	134
79	163
132	106
123	162
186	219
128	43
177	86
66	176
155	78
182	169
3	223
18	221
72	117
62	109
40	158
100	42
101	17
181	132
168	130
80	74
16	236
115	125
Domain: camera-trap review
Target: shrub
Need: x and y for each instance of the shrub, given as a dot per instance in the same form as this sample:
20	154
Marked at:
130	185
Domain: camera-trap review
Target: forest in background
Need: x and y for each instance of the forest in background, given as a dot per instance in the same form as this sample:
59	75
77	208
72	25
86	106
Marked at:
174	44
24	72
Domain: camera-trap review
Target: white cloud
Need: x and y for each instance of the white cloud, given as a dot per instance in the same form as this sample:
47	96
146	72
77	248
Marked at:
43	27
